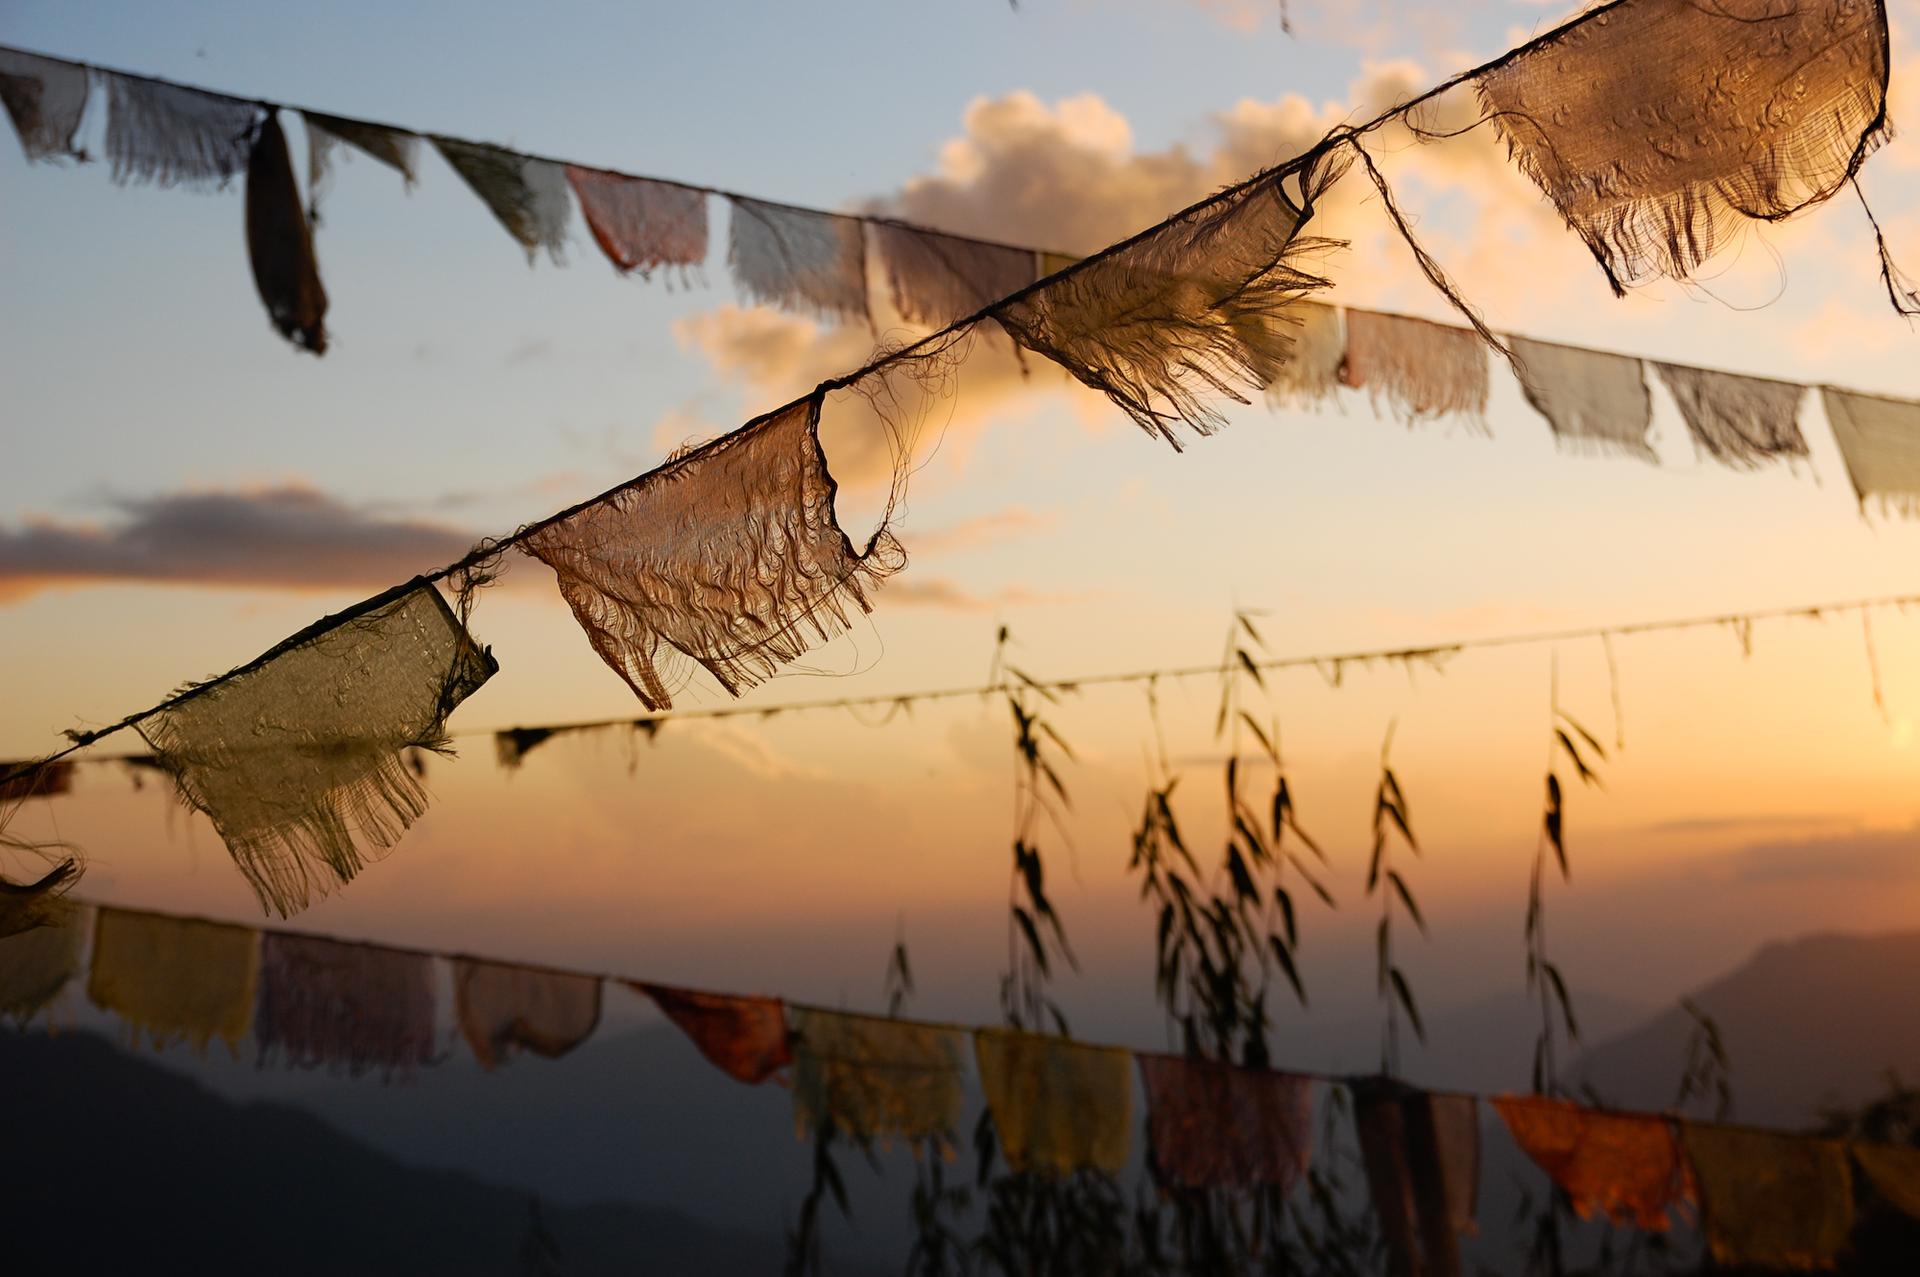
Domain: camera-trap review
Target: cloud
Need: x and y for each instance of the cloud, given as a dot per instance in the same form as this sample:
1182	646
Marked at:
1009	523
289	536
945	593
1891	855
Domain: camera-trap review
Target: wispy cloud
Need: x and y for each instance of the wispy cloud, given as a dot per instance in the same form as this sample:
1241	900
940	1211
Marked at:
1006	524
289	536
1867	855
944	592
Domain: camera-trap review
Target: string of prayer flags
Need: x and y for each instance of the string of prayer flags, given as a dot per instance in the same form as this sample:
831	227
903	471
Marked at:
397	150
1420	369
175	136
35	780
1768	1200
1741	422
1422	1155
1058	1106
1656	128
873	1079
1893	1170
299	759
1213	1125
502	1007
356	1008
640	224
1880	442
745	1038
526	196
1623	1166
798	258
1312	372
936	279
729	556
280	243
46	100
175	978
1181	315
1594	402
39	961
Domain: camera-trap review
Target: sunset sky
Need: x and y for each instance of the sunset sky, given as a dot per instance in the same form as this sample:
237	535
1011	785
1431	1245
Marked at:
182	489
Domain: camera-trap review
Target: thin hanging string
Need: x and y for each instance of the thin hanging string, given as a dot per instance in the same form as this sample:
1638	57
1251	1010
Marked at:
476	560
1427	652
938	1026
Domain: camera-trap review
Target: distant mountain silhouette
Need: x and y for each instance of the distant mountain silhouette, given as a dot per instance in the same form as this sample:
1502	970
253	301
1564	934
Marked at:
114	1165
1806	1023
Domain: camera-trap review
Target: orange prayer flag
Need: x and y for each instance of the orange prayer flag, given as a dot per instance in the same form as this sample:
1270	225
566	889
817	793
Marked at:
745	1038
1627	1167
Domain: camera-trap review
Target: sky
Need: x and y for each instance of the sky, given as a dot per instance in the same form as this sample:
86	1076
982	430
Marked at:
183	489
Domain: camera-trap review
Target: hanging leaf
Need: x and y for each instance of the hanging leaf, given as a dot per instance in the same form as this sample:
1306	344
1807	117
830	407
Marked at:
1560	995
1406	898
1284	956
1555	812
1405	995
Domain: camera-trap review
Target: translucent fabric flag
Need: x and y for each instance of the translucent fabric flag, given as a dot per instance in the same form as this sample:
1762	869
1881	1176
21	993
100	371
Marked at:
1880	442
1213	1125
745	1038
527	196
174	136
175	979
1625	1167
1312	373
1595	402
1771	1201
46	100
1186	314
1893	1170
280	243
325	133
45	780
36	963
298	759
502	1008
1420	369
1058	1106
937	279
1422	1155
1659	127
799	259
1741	422
729	557
875	1079
398	151
355	1008
642	225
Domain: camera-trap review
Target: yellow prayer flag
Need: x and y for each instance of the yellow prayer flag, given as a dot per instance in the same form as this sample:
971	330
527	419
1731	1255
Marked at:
175	978
1058	1106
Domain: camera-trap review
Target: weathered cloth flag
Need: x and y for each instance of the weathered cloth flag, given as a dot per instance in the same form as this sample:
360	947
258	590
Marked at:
1213	1125
874	1079
1058	1106
729	557
298	760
